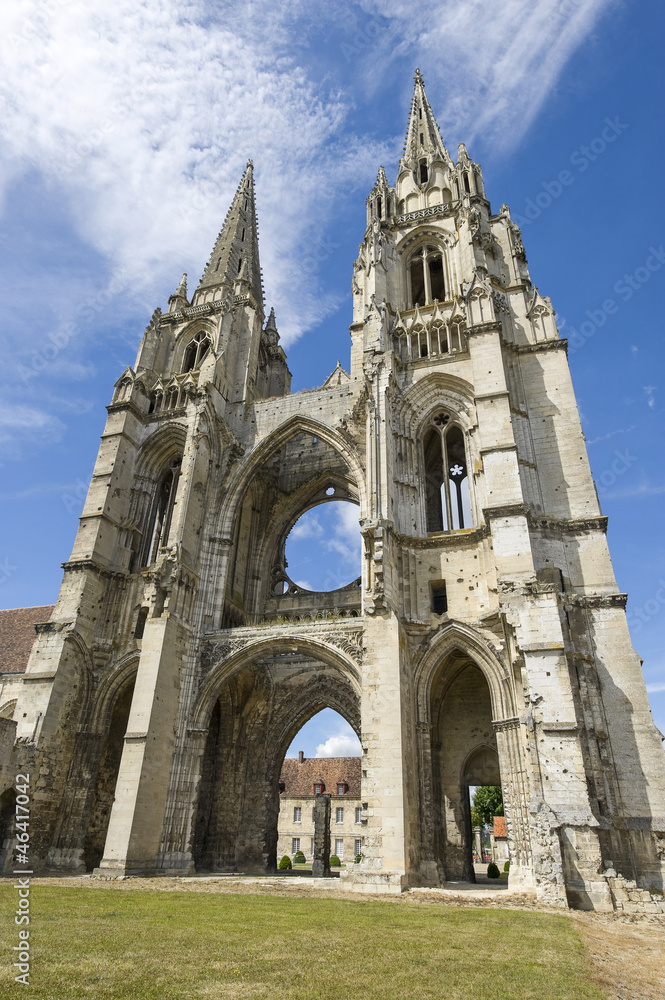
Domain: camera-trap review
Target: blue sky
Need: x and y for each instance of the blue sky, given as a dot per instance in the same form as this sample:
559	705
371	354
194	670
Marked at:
126	128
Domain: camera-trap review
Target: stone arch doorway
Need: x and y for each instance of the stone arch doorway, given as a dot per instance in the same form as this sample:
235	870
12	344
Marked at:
464	753
107	775
251	720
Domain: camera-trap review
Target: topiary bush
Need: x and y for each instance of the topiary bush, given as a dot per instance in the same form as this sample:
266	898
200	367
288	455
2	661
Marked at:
493	871
506	867
358	858
299	858
334	861
285	862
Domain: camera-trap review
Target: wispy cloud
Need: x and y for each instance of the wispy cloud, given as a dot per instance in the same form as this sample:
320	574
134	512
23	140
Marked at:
22	426
635	492
611	434
185	95
655	688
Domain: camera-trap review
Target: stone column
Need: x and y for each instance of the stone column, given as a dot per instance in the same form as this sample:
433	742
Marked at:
137	817
321	862
477	837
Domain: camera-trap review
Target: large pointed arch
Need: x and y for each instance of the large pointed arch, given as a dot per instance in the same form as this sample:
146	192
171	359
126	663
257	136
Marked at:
458	639
293	641
298	424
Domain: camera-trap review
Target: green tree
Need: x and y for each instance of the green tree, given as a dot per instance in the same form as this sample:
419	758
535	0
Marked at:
487	803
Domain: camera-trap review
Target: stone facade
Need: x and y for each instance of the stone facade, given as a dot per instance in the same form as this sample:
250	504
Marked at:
301	781
486	642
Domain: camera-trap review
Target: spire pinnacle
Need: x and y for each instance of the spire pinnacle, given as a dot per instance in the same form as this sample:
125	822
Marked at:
182	287
423	138
235	255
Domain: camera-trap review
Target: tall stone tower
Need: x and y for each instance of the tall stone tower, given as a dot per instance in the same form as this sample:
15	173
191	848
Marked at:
485	643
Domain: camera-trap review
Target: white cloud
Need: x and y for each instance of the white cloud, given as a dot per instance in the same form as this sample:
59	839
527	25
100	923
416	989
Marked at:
341	745
141	116
651	688
25	425
307	526
637	491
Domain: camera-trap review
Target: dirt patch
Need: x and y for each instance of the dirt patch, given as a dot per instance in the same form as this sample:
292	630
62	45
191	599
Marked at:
626	955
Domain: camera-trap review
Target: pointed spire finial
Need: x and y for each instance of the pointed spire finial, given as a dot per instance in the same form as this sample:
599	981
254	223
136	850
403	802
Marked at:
423	138
235	254
182	287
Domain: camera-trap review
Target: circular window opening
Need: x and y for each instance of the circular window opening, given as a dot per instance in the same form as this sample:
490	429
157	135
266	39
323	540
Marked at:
323	547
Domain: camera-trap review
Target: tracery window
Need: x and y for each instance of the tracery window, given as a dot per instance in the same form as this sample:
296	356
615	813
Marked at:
196	352
447	497
159	524
426	276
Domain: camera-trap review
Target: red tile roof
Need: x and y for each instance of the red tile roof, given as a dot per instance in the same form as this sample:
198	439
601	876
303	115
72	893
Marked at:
500	826
17	634
299	777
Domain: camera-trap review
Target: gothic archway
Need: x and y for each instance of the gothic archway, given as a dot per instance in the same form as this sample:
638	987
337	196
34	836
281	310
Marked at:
252	710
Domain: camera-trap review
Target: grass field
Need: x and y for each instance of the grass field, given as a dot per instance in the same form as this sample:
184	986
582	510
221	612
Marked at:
181	945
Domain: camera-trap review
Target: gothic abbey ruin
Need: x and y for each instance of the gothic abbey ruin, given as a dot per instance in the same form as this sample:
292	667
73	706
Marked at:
486	642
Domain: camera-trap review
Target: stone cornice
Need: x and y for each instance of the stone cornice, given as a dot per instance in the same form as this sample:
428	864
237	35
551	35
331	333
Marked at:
439	539
543	345
595	601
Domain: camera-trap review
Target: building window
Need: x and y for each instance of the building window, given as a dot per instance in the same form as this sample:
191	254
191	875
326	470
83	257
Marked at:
439	598
157	535
297	814
341	787
426	276
196	352
339	847
359	816
311	846
295	844
318	788
447	496
423	171
339	814
358	845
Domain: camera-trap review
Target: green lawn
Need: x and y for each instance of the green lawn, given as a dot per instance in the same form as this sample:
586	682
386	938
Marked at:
148	945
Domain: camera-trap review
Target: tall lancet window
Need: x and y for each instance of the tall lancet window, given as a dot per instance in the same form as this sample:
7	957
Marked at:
447	497
196	352
159	524
426	276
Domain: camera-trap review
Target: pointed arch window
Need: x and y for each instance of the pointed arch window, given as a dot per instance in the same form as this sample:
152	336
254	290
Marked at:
159	524
426	274
423	172
447	496
196	352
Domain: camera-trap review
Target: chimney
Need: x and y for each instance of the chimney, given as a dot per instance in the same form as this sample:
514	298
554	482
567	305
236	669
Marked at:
301	756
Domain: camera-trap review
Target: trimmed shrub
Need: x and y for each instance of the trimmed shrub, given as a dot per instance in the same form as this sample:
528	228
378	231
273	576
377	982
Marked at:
285	862
493	871
358	858
334	861
299	858
506	867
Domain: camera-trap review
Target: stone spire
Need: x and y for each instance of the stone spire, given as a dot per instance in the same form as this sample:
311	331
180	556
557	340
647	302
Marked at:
235	256
423	139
